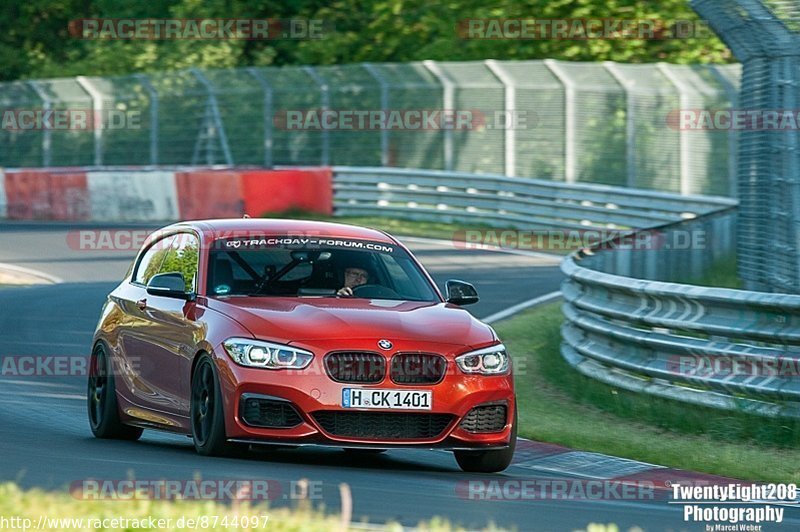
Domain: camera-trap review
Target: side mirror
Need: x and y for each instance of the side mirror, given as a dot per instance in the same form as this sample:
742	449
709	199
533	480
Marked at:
169	285
460	293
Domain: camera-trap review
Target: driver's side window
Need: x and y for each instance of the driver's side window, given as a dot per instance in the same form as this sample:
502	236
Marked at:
152	260
174	254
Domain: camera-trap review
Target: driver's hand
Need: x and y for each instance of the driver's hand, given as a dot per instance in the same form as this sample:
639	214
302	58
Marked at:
345	291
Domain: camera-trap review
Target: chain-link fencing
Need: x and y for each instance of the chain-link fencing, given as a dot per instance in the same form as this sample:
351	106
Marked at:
574	122
765	37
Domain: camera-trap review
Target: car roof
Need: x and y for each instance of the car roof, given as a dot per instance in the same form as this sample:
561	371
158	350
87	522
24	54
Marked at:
223	228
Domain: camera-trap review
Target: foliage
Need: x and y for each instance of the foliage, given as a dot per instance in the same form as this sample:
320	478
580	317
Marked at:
35	41
60	511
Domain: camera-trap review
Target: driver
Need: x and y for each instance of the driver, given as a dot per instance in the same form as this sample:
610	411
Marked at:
353	277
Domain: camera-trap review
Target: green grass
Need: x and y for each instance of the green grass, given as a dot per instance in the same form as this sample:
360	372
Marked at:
721	274
559	405
31	504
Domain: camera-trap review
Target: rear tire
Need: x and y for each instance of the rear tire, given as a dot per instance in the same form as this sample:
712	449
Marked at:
102	405
206	412
489	461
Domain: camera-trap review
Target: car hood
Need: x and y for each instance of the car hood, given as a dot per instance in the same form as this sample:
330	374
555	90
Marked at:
289	320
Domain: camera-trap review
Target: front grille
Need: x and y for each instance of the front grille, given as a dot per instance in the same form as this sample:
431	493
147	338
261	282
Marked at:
383	425
359	368
267	412
418	368
485	418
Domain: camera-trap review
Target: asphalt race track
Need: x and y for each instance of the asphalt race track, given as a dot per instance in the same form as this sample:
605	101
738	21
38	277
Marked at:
45	439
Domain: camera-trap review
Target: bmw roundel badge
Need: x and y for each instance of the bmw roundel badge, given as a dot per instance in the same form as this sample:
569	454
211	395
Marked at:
385	344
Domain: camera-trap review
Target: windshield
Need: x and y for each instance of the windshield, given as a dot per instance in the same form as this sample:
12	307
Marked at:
291	266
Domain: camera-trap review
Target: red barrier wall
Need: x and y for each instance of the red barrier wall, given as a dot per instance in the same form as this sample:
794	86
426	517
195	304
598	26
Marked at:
279	190
68	194
42	195
209	194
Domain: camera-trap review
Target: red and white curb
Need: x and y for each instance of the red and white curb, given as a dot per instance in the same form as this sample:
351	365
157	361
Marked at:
556	459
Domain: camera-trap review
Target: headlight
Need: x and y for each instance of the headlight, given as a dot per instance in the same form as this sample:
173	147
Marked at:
487	361
258	354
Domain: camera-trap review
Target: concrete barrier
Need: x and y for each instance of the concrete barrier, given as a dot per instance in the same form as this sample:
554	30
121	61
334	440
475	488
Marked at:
35	195
209	194
3	200
144	195
133	196
309	189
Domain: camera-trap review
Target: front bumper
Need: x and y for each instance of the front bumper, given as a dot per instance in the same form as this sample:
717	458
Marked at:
311	391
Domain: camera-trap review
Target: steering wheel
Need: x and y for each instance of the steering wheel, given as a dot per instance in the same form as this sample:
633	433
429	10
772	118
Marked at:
375	291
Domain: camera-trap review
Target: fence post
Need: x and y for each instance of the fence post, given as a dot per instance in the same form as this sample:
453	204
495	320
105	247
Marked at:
325	103
47	104
733	96
570	163
510	134
788	80
381	79
683	138
97	119
268	112
213	107
449	98
151	91
630	124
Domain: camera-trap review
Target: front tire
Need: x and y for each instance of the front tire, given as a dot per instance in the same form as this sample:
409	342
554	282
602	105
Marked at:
489	461
103	408
207	416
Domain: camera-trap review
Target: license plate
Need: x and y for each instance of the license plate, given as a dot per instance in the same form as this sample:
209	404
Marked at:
391	399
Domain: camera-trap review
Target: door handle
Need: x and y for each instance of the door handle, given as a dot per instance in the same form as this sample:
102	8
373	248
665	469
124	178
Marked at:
142	304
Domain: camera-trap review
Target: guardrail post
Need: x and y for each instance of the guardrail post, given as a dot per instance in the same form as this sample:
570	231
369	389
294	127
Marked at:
449	101
683	137
151	91
324	91
630	122
381	79
47	105
510	134
268	112
570	162
215	117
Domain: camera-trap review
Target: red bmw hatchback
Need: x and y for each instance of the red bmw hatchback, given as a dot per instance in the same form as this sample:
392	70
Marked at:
294	332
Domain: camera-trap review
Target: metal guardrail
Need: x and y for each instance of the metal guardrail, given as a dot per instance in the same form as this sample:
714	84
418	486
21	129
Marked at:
507	202
718	347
